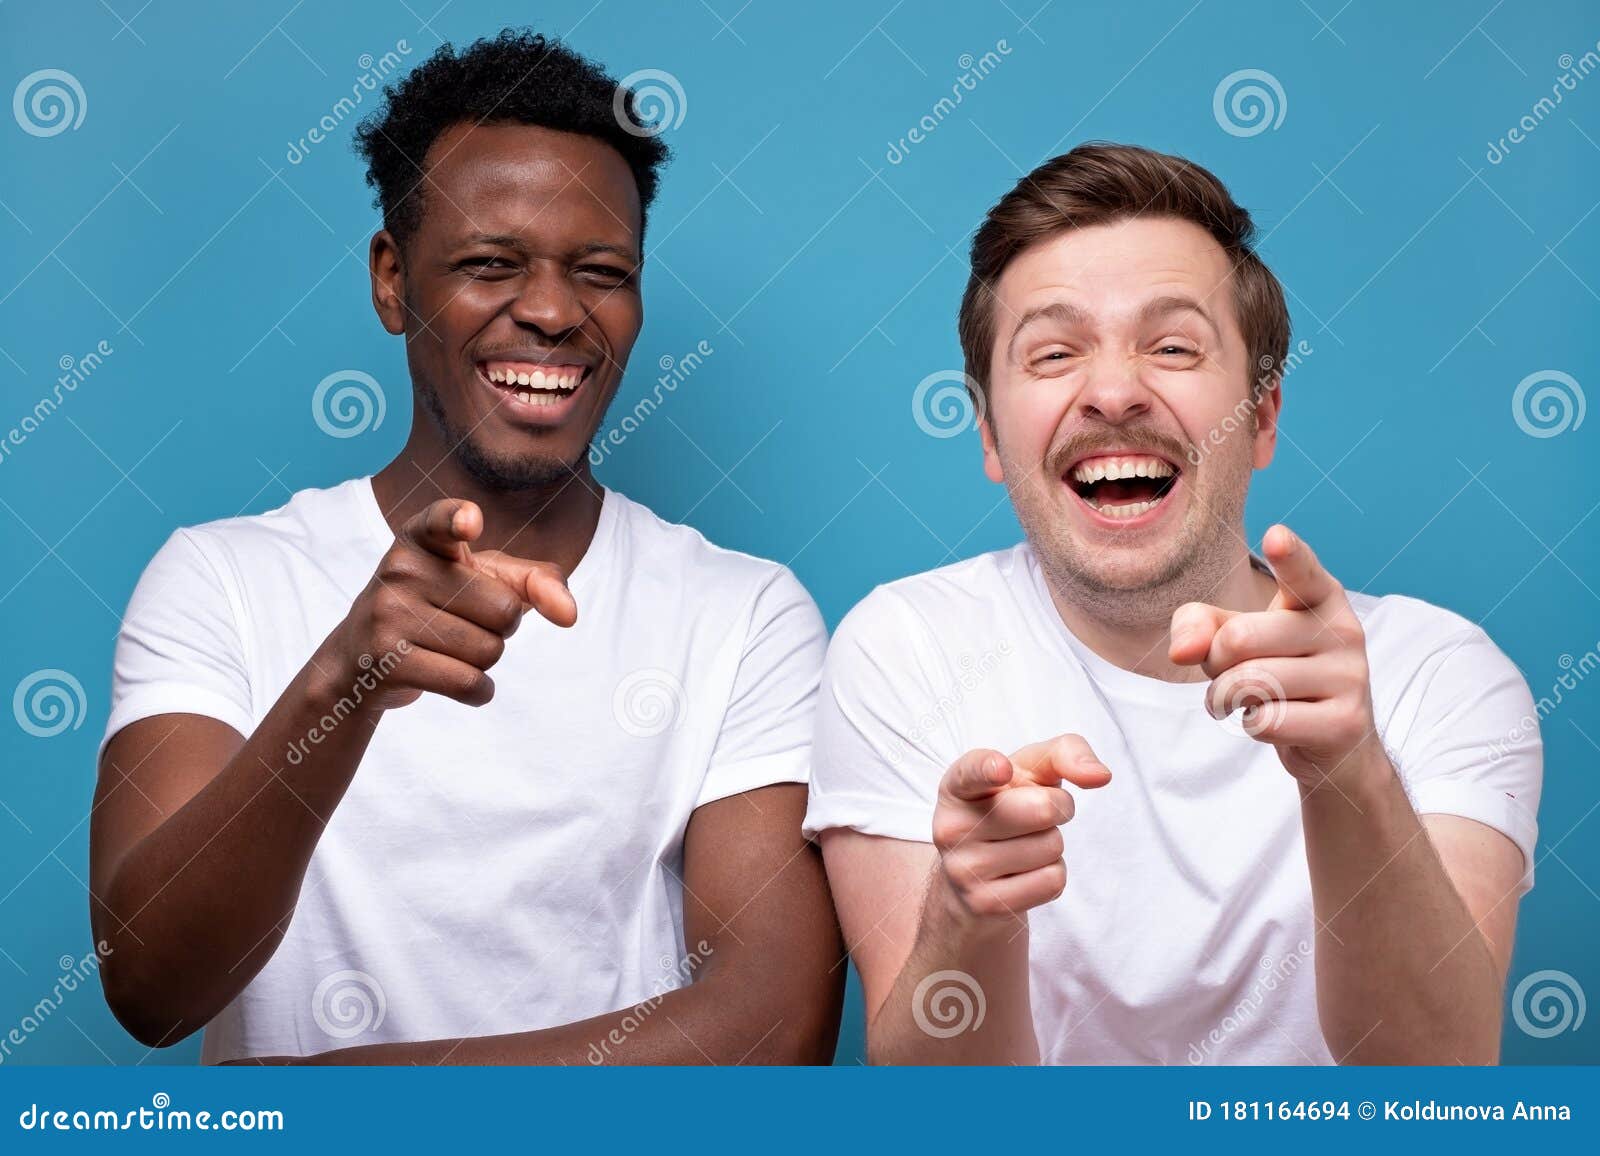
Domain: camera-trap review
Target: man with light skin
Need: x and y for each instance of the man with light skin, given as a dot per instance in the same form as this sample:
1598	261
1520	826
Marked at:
1298	819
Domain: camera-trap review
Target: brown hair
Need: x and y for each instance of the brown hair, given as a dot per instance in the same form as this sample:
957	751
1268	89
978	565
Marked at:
1099	183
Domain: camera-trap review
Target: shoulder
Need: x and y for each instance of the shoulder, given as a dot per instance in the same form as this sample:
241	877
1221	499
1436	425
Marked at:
1408	634
340	512
936	602
680	558
1429	661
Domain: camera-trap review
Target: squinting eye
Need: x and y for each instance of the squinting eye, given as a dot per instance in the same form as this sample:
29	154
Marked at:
1178	349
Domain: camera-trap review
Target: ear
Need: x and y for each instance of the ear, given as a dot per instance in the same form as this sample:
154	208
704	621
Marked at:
388	281
991	452
1269	406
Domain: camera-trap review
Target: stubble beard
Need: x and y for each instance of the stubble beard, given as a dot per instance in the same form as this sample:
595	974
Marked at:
1193	563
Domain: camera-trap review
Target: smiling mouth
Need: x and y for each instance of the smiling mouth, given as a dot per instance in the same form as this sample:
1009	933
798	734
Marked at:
534	383
1122	486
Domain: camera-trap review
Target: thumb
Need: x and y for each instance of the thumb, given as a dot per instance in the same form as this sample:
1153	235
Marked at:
444	528
541	585
1194	625
976	775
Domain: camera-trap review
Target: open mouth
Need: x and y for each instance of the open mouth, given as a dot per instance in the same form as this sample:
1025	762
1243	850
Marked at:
535	384
1122	487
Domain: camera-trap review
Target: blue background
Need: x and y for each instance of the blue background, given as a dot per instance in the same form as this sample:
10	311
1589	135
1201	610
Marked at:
229	281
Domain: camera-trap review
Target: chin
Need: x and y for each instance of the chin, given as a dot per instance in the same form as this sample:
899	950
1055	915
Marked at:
510	472
1127	571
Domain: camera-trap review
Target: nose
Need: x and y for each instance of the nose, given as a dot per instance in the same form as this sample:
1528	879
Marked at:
1112	392
547	302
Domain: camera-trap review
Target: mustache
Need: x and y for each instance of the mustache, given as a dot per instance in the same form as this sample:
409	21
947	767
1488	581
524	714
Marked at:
1085	441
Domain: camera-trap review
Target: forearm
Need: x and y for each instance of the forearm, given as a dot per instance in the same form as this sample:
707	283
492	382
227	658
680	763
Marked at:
1403	975
929	1018
725	1017
198	906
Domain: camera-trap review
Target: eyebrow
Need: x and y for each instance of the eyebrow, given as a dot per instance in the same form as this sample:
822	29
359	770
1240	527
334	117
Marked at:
592	248
1162	306
1066	313
1059	311
596	247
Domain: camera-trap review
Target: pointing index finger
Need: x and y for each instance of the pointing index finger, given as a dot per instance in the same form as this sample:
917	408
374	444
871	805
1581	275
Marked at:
540	585
1303	582
1066	758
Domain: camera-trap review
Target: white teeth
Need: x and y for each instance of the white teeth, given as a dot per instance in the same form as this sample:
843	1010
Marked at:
1115	469
1132	510
548	381
536	386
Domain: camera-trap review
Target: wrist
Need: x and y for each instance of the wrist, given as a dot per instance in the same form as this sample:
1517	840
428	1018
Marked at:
1362	777
336	685
960	924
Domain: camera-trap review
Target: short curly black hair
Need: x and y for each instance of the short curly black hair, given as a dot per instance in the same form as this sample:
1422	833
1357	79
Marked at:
493	82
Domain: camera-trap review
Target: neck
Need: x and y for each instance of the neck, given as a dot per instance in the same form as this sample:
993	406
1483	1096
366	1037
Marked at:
554	522
1133	629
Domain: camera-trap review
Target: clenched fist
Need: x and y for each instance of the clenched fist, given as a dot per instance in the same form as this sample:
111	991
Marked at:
436	615
997	824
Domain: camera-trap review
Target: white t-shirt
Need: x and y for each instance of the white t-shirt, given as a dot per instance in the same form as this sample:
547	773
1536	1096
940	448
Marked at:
498	869
1185	934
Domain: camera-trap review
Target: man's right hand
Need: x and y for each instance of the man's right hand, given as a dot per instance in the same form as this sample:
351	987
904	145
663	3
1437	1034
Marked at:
436	615
997	824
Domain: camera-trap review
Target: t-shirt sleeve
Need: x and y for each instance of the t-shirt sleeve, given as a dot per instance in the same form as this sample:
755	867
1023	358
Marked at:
766	731
886	729
179	650
1474	748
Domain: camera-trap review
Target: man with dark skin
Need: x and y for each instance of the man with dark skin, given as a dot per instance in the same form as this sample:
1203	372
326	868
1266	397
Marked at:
514	276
